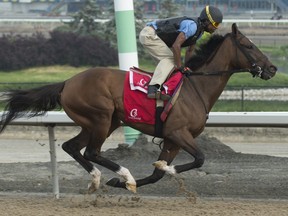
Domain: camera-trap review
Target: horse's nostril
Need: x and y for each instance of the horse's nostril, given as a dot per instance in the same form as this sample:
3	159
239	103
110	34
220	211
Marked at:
273	69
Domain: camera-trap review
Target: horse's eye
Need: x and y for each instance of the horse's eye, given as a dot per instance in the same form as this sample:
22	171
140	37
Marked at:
248	46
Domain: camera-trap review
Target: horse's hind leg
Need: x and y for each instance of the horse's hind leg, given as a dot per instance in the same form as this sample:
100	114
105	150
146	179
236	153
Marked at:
92	153
168	153
73	147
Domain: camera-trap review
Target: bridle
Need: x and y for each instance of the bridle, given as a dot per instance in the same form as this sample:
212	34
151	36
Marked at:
255	69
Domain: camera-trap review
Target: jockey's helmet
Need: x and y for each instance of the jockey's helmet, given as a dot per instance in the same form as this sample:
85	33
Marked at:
213	14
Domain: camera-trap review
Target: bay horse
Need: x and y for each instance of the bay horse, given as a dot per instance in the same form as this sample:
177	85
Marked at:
93	99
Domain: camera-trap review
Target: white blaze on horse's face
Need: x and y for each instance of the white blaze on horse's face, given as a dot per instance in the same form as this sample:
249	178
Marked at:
250	40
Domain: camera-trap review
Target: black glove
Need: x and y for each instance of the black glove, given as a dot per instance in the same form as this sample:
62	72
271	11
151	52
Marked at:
185	70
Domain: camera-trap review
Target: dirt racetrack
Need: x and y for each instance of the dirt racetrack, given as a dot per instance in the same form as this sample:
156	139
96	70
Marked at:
229	183
135	206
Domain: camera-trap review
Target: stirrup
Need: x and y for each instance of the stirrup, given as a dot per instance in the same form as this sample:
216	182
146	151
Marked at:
155	93
160	96
165	97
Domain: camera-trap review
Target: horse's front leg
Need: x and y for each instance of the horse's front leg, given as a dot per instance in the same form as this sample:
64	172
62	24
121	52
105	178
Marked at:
168	153
184	139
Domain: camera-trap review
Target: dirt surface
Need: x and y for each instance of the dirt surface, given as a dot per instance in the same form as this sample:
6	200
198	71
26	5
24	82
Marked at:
136	205
229	183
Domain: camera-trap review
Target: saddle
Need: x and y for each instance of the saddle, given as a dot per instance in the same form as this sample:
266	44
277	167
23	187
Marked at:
139	108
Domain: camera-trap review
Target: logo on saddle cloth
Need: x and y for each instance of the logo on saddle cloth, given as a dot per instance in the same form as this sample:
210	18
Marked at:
139	108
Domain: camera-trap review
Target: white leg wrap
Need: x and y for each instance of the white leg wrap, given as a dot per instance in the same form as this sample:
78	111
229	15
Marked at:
130	181
96	176
162	165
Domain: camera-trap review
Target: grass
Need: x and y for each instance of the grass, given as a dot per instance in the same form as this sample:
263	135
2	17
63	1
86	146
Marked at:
54	73
246	79
250	106
41	74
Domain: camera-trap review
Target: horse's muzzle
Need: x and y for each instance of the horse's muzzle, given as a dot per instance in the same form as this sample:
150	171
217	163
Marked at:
264	73
269	72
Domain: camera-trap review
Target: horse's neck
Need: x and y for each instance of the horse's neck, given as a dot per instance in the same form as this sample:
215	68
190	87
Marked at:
210	87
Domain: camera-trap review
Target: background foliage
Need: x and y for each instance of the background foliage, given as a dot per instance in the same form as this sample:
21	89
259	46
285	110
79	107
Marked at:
62	48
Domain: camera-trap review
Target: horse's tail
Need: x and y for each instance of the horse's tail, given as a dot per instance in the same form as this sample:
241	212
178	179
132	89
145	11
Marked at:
30	102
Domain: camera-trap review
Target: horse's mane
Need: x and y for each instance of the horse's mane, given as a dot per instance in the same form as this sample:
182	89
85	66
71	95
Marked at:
204	51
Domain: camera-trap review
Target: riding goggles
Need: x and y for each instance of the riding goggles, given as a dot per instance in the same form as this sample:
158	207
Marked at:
215	24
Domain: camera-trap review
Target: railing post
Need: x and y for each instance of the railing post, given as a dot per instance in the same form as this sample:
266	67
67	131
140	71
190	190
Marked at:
242	98
53	158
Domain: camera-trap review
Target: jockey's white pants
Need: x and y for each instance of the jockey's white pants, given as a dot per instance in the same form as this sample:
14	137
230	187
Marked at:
160	52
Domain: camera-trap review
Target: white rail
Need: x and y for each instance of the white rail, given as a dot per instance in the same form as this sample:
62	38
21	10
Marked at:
216	119
248	119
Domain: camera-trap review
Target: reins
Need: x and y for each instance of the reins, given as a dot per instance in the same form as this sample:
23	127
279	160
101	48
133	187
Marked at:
256	71
217	73
213	73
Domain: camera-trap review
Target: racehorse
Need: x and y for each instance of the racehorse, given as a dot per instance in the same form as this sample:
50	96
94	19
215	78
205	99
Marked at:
93	99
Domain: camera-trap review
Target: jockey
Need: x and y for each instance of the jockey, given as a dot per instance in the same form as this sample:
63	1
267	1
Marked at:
164	39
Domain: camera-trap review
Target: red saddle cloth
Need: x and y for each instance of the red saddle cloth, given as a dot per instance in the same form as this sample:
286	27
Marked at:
137	107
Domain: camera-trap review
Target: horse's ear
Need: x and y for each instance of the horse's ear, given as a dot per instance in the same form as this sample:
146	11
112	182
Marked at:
234	29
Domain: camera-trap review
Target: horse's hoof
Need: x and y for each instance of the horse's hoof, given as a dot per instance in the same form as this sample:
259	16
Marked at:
92	187
131	187
113	182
